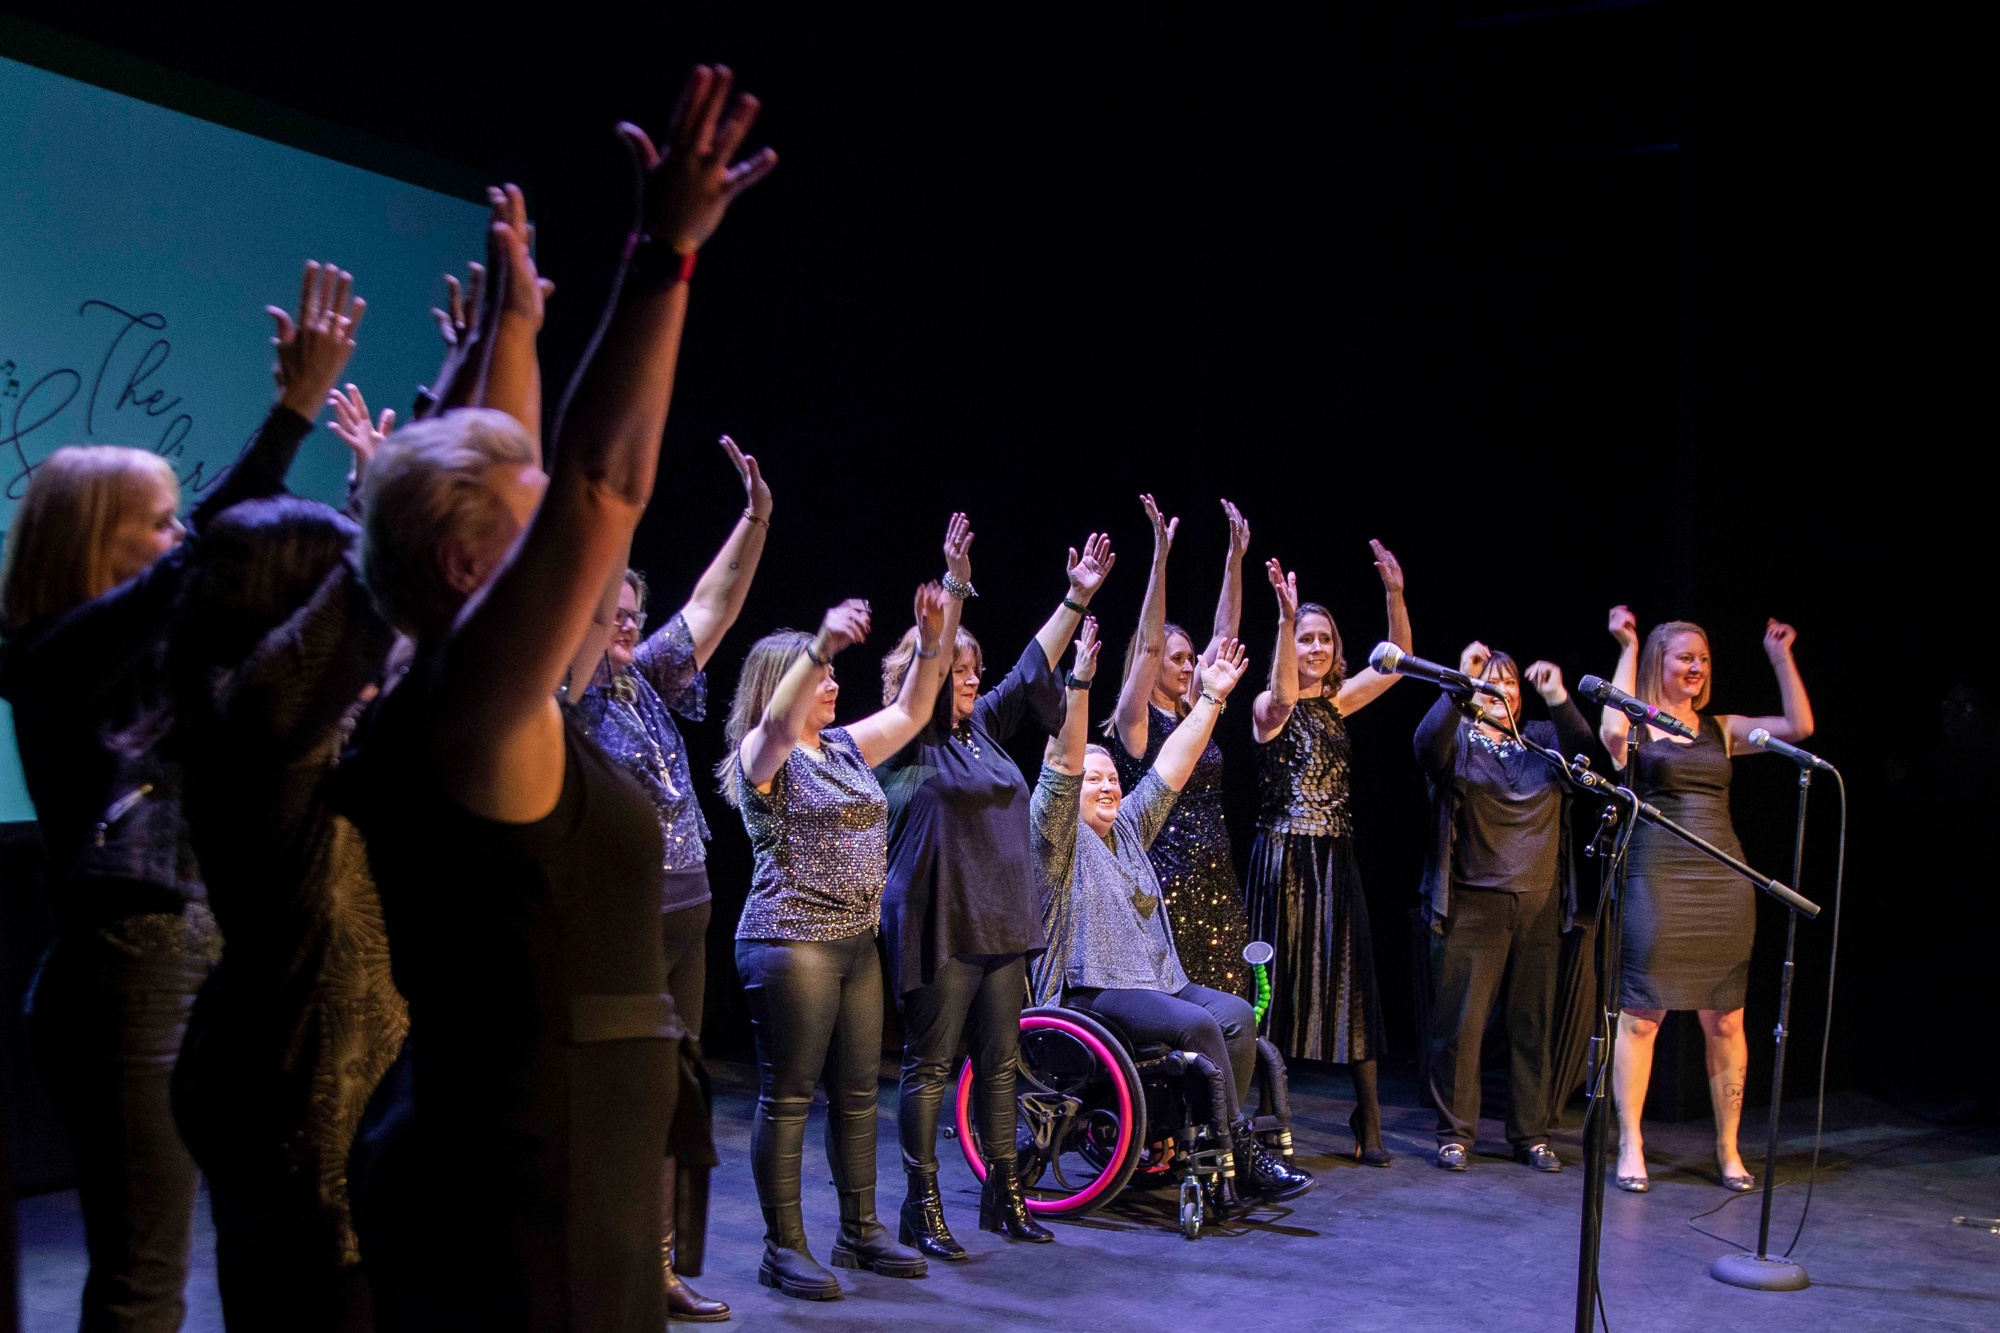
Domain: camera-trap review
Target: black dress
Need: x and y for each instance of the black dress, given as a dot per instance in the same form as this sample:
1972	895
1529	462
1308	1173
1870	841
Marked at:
1196	867
1305	897
507	1174
1689	920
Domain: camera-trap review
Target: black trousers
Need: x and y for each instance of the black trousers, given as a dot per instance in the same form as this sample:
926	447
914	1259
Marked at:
277	1265
816	1012
686	933
1219	1025
1488	934
986	992
108	1011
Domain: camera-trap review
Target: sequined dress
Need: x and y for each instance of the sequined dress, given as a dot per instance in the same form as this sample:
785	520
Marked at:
1196	867
1304	893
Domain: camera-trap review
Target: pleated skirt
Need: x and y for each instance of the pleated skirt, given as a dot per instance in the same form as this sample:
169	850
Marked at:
1304	897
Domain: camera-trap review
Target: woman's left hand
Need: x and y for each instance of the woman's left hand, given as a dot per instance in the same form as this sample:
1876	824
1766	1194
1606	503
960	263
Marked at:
755	492
1778	640
1086	572
1547	678
930	614
958	548
1386	566
1239	531
1087	645
1220	676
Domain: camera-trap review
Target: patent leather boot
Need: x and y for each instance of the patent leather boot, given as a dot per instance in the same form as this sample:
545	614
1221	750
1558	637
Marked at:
1002	1209
923	1220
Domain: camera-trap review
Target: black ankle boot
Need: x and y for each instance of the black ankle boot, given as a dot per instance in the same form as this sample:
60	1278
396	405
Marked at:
1262	1173
1002	1209
788	1265
864	1243
923	1220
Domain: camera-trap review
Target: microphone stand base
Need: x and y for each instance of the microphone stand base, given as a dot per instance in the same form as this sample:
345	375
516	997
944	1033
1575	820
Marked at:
1747	1270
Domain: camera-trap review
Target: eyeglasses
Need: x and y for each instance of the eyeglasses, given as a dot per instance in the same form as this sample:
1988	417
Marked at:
633	620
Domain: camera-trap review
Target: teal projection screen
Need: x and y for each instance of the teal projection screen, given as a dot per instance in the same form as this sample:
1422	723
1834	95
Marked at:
138	249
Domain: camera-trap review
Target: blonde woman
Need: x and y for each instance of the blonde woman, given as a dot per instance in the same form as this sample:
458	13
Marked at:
1689	921
95	561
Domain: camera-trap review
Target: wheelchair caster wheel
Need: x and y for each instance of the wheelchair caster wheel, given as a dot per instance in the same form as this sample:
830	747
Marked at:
1192	1208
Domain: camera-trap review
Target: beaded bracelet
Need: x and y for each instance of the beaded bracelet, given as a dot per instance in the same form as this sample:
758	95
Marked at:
958	589
926	656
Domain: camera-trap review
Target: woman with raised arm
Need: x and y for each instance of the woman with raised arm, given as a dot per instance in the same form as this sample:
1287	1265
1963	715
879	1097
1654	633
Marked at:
94	564
1689	920
1499	888
960	911
1197	869
508	1173
805	944
1304	887
1111	949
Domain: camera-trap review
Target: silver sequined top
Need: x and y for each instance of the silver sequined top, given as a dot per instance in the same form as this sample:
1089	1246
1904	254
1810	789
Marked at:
632	719
1100	896
1303	773
821	839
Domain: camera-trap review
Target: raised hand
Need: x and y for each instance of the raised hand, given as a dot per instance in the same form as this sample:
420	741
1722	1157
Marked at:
314	348
843	626
351	423
1287	588
931	598
1472	658
1087	644
691	185
958	549
461	315
1220	676
756	495
1624	627
1239	531
511	240
1547	678
1778	640
1086	572
1163	528
1386	566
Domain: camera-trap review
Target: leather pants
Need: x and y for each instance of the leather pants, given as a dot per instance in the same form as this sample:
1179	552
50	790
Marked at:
984	991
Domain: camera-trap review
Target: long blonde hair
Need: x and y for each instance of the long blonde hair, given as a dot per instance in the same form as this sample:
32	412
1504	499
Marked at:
59	547
763	667
1652	680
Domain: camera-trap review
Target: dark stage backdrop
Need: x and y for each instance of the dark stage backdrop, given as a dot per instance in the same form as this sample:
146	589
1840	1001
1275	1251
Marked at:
1611	302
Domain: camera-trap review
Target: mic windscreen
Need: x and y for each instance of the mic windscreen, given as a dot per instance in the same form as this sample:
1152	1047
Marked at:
1386	658
1593	687
1761	737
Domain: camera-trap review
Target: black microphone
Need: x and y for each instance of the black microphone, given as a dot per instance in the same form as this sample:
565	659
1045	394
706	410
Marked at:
1391	660
1604	692
1763	739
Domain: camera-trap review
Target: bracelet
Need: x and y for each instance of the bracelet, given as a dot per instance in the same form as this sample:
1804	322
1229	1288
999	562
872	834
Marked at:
1076	682
655	267
1075	605
749	516
815	658
1221	704
959	590
927	656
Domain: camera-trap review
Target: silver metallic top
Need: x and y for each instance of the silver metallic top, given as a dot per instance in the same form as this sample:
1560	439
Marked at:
1303	773
821	839
632	719
1100	897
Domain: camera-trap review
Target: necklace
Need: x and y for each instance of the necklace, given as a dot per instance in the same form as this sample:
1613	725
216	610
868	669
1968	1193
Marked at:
962	733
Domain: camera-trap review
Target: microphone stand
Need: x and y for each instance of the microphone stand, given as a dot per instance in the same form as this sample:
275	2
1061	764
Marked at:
1759	1271
1597	1139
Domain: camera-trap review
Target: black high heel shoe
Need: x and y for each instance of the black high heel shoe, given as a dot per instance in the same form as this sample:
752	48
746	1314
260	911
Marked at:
1002	1209
923	1224
1365	1155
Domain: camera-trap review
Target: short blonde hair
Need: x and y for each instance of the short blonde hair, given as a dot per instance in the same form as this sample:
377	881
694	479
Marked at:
423	487
59	546
1653	663
897	665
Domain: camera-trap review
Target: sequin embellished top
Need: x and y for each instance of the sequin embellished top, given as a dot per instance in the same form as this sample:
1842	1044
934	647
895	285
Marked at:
1303	773
821	839
631	718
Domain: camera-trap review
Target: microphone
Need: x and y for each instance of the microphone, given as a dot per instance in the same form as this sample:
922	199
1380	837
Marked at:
1391	660
1604	692
1763	739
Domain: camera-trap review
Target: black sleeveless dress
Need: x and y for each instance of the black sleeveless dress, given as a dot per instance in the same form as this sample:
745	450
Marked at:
507	1174
1689	921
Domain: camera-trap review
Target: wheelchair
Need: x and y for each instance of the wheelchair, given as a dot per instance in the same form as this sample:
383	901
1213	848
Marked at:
1098	1110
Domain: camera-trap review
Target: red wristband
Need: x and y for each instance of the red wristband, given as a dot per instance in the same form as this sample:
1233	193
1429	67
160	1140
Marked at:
656	267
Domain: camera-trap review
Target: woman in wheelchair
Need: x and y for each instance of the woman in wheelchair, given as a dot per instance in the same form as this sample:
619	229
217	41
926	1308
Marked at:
1111	948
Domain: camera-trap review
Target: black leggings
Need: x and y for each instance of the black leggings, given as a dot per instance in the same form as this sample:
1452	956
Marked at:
1221	1026
987	989
686	933
816	1010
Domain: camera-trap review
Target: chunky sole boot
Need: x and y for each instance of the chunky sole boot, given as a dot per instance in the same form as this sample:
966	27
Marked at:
865	1243
797	1273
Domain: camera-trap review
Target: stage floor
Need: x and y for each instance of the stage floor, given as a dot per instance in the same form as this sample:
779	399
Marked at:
1409	1248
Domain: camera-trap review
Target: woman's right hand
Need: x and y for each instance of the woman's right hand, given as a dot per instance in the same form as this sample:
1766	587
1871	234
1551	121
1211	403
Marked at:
1624	626
1085	667
314	348
1472	659
958	548
351	423
930	615
1220	676
692	184
1286	586
1164	528
1239	531
842	627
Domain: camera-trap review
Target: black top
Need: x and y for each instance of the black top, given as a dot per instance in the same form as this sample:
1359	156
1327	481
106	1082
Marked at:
90	708
1499	813
961	869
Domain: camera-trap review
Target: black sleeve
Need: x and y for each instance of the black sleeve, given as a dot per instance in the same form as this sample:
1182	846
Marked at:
260	469
1574	736
1437	736
1030	690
